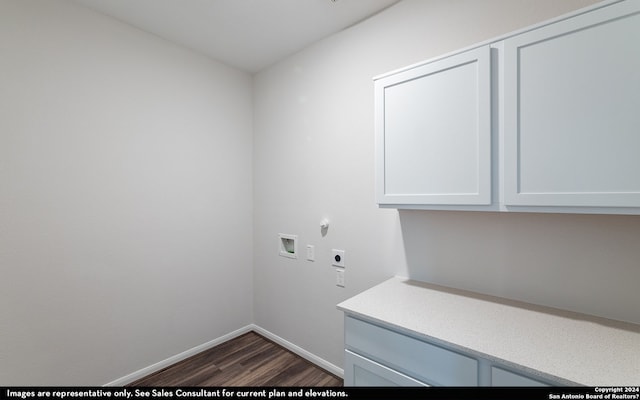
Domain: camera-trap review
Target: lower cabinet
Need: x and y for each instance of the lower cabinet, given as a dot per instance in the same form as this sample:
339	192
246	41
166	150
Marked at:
425	362
377	355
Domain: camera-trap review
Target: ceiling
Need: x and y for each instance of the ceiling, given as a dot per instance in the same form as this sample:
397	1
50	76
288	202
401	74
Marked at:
246	34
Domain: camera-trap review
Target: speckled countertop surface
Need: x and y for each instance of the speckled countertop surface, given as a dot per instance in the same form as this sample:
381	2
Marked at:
569	347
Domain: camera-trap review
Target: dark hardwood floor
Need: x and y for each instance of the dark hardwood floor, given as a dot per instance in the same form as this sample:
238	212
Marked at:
248	360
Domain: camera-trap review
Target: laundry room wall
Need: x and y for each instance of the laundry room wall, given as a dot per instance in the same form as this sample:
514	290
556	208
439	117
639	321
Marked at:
125	197
314	158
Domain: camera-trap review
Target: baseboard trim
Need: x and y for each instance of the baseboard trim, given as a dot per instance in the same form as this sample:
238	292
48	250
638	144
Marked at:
141	373
320	362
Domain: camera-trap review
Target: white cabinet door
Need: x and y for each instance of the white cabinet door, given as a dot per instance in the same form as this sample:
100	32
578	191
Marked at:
433	132
501	377
359	371
572	111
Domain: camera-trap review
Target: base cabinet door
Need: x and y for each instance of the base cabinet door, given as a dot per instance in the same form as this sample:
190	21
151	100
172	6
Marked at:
360	371
501	377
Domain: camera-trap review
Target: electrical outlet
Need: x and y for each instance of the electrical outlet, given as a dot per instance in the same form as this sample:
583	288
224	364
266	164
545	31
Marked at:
337	258
340	277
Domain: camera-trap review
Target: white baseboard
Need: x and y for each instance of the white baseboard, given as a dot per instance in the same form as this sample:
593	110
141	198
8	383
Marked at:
141	373
324	364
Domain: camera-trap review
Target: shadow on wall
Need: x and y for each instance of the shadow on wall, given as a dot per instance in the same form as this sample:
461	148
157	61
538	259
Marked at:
583	263
458	249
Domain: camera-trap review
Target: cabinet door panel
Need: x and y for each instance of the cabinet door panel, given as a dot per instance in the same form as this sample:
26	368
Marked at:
359	371
501	377
572	120
433	132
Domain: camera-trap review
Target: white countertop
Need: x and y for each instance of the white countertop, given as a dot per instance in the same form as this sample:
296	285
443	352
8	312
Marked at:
569	347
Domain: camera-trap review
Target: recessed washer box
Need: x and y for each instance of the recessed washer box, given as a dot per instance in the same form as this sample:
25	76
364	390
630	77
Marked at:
288	245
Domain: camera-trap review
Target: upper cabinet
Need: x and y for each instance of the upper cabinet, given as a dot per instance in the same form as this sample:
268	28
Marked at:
545	119
433	132
572	111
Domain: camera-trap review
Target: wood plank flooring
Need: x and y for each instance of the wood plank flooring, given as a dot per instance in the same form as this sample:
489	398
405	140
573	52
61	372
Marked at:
248	360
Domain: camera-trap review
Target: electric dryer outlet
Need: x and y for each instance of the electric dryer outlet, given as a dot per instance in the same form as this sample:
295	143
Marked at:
337	258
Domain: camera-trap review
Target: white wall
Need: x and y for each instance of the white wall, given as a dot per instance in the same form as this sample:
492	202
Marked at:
314	157
125	197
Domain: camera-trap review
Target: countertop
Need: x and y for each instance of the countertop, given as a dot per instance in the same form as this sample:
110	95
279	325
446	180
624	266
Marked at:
568	347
